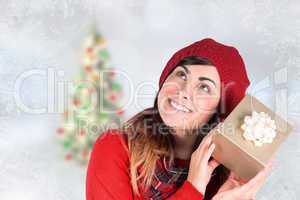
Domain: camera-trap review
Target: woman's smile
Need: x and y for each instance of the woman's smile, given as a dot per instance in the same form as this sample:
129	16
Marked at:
179	107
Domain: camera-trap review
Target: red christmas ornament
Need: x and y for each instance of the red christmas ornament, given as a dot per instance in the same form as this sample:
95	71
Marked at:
113	97
89	50
76	102
82	132
120	112
60	130
88	69
68	156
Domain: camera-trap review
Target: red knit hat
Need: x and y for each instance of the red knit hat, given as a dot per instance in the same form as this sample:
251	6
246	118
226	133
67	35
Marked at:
229	64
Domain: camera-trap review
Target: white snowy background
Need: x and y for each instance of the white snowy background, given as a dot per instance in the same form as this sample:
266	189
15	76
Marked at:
142	35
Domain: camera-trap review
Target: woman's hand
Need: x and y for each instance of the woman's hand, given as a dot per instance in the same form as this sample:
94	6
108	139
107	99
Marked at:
237	189
201	167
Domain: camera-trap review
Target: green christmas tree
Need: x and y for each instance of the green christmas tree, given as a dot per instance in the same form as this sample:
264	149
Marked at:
95	102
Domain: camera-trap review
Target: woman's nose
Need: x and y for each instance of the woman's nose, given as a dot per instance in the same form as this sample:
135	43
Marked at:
185	93
185	96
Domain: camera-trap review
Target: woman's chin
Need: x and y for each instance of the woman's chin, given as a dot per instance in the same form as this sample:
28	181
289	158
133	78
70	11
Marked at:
175	122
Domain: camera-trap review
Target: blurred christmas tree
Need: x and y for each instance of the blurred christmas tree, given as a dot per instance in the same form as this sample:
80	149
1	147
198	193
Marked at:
95	103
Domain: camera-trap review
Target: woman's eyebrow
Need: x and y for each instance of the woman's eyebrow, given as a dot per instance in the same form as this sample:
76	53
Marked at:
185	69
201	78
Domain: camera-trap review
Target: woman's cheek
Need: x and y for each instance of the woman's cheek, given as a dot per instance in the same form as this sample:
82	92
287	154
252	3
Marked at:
206	105
170	89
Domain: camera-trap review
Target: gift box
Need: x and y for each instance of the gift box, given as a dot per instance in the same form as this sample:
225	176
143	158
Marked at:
240	155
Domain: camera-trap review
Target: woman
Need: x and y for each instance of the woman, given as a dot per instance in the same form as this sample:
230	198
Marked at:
164	152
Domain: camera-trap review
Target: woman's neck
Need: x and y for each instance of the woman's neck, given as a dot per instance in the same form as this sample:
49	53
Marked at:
184	143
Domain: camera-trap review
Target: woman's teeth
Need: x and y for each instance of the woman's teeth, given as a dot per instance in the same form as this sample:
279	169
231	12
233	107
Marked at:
179	107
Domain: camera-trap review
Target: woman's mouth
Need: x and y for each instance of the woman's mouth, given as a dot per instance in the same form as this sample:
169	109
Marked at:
179	107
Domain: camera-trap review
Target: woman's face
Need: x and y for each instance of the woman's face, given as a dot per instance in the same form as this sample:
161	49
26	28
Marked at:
189	96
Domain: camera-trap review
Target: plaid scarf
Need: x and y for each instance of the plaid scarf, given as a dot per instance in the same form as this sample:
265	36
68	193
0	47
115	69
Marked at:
167	179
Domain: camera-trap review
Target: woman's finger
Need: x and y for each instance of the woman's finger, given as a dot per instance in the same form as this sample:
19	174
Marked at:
241	181
232	175
213	164
209	151
208	139
205	143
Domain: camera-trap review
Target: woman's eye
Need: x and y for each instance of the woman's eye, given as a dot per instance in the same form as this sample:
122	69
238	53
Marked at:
205	88
180	74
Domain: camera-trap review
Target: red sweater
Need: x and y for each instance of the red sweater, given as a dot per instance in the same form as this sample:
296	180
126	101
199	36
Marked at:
108	172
